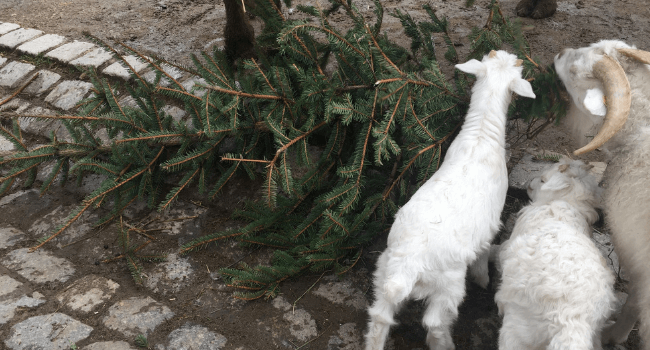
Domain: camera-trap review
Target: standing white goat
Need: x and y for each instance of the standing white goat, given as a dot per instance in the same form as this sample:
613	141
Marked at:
450	221
596	77
557	290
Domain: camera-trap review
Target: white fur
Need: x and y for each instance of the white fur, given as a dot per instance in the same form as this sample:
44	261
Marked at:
627	178
450	221
557	290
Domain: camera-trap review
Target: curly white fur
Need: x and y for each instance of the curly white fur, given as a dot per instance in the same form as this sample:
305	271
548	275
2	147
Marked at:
627	178
557	290
450	221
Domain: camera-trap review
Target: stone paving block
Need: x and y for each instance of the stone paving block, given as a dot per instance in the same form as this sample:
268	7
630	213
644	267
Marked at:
55	331
109	345
193	337
164	81
10	236
5	146
12	74
70	51
17	105
135	316
170	276
38	126
342	293
13	295
7	27
87	292
191	85
301	324
42	83
94	58
118	70
41	44
46	224
68	93
40	266
2	60
347	338
176	113
17	37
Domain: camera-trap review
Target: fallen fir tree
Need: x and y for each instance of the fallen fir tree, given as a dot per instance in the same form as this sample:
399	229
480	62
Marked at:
364	119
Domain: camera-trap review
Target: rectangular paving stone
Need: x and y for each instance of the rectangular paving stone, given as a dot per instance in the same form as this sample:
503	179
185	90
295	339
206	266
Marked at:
43	82
12	74
17	37
7	27
2	61
5	146
164	81
39	266
10	236
116	69
70	51
192	86
41	44
68	93
94	58
16	105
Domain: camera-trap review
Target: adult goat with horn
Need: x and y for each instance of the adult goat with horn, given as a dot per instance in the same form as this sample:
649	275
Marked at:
609	84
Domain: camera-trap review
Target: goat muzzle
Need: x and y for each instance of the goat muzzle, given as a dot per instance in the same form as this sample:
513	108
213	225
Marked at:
618	99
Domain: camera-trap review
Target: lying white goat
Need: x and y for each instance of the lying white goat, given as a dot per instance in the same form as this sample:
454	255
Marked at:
450	221
556	290
612	79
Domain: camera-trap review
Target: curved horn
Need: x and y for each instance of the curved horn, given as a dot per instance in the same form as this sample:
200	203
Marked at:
492	54
639	55
618	100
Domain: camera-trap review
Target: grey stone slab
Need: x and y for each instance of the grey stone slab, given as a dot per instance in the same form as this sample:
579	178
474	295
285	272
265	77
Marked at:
40	266
170	276
87	293
70	51
2	60
342	293
173	72
55	331
68	93
7	27
94	58
13	73
135	316
10	236
42	83
348	337
13	295
47	223
192	86
176	113
19	36
17	105
18	198
5	146
193	337
109	345
300	323
38	126
169	225
41	44
118	70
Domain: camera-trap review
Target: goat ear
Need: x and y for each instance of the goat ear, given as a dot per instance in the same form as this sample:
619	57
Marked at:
522	87
594	102
563	167
472	67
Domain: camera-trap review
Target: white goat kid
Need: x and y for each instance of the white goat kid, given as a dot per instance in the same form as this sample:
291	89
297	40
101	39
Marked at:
557	290
593	75
450	221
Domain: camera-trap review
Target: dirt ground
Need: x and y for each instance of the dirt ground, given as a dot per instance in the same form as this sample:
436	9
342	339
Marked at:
175	28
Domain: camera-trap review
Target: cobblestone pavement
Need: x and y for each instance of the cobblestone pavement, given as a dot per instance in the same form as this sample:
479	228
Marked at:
63	295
